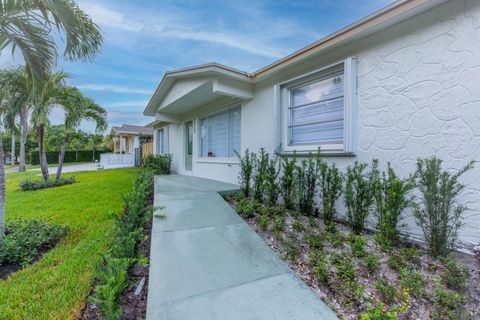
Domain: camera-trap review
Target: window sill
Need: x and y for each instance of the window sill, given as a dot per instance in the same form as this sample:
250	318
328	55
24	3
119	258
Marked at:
218	160
323	153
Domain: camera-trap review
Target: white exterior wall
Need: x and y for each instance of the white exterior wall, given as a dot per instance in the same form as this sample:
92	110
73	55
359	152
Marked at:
418	96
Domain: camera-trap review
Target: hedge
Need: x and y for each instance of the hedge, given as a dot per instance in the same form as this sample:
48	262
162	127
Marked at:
70	156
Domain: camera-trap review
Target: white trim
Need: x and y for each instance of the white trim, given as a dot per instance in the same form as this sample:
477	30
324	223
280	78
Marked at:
282	96
221	160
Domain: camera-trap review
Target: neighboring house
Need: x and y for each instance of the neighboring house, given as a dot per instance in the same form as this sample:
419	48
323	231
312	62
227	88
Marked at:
126	147
400	84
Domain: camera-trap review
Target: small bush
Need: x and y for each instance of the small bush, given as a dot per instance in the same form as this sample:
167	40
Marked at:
455	274
24	240
306	183
246	207
287	182
391	196
314	241
291	247
359	193
357	245
272	189
386	290
372	263
413	281
262	222
330	181
382	312
159	164
298	226
278	224
247	164
447	305
260	174
32	185
404	258
439	215
321	268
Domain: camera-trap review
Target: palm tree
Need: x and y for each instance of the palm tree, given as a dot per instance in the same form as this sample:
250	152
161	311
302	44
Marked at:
10	124
31	25
2	171
77	108
43	104
18	87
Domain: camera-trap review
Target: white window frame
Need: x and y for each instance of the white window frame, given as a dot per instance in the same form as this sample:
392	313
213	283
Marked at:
223	108
282	92
164	143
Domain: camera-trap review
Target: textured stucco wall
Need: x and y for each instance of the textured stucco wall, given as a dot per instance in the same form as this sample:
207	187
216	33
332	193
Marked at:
418	95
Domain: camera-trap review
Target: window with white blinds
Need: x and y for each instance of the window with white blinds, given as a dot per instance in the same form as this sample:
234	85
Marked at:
220	134
316	112
318	109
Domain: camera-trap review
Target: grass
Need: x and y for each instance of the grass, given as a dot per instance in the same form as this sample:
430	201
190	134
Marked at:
56	286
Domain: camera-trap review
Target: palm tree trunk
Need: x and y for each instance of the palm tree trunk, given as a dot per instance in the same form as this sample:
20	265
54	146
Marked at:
61	158
23	139
2	190
13	148
42	153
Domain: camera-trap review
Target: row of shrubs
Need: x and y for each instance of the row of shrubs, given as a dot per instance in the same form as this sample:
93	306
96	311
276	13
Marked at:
70	156
31	185
367	191
159	164
113	271
25	240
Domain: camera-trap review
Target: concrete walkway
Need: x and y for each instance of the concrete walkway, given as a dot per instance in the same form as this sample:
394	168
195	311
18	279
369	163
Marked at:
206	263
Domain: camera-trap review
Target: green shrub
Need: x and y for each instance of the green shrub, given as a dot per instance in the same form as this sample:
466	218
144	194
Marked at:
314	240
246	207
71	156
287	181
386	290
439	215
278	224
359	193
455	274
320	267
260	174
159	164
112	277
262	222
447	305
298	226
372	263
32	185
404	258
413	281
271	181
290	246
306	183
330	181
357	245
24	240
391	196
247	164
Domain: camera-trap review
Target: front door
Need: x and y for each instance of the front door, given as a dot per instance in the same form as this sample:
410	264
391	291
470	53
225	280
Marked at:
188	145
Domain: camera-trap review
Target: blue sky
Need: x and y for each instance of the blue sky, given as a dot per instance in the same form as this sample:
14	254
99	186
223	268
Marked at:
143	39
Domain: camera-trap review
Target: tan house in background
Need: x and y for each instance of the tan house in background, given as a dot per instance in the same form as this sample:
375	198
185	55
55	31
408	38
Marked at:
126	138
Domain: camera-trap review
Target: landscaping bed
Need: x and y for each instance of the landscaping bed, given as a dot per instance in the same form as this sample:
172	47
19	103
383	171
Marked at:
352	273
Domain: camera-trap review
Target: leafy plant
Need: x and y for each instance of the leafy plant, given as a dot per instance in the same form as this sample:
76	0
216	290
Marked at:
306	183
413	281
330	181
391	196
372	262
247	164
246	207
439	215
314	240
455	274
320	267
32	185
359	192
298	226
159	164
260	174
386	290
287	181
24	240
278	224
357	245
262	222
404	258
382	312
447	305
272	189
291	247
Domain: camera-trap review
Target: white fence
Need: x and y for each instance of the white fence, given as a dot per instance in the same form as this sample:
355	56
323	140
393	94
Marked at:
113	160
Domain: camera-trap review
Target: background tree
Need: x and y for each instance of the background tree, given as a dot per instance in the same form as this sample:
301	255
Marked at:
33	26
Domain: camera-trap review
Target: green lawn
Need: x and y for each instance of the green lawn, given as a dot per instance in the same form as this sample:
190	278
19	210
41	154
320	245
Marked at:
56	286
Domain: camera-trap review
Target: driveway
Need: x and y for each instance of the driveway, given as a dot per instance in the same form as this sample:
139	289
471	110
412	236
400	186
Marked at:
207	263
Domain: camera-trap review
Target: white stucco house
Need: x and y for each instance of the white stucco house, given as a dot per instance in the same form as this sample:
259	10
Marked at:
400	84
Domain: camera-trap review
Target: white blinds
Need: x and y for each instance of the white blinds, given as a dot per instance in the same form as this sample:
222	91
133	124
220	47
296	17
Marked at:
317	112
220	134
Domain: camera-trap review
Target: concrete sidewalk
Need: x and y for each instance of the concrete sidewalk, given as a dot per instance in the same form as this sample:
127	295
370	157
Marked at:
206	263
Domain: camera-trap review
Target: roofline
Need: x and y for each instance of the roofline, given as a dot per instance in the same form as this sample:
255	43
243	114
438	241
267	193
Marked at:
376	19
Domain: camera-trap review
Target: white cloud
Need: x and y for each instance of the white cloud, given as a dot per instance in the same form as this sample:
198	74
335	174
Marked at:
113	88
128	104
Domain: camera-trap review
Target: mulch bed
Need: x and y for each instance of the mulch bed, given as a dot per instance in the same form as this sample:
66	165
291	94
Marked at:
430	269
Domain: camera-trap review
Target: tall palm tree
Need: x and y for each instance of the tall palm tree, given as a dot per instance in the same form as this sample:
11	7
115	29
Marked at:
32	26
2	170
43	104
10	124
18	88
77	108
